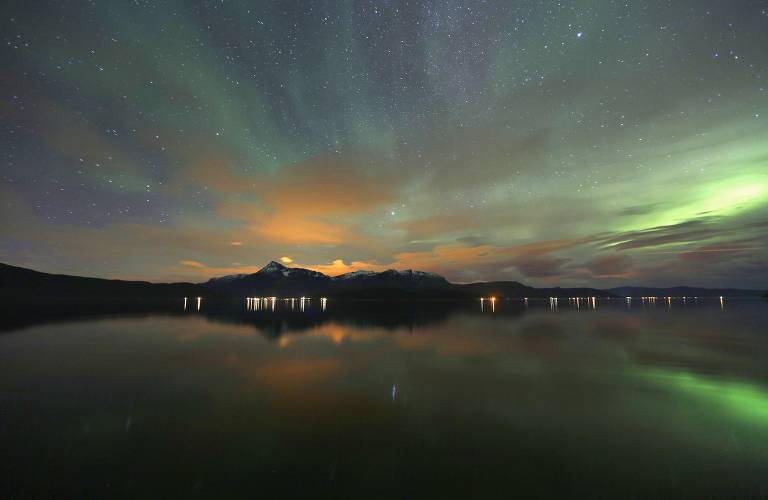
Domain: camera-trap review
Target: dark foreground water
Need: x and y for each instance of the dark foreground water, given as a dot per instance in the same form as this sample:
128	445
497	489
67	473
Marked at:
386	400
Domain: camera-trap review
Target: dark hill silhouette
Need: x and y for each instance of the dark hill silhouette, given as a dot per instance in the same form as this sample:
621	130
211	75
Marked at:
683	291
18	282
275	279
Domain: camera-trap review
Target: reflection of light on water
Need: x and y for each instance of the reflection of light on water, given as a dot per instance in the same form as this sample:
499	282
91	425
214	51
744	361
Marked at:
185	303
394	391
199	302
742	399
650	301
492	300
270	303
591	302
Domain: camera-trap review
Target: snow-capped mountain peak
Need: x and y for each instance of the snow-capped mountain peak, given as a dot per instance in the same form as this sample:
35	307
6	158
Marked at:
274	267
355	275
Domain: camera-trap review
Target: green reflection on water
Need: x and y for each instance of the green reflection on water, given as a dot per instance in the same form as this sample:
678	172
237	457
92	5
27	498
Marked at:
742	399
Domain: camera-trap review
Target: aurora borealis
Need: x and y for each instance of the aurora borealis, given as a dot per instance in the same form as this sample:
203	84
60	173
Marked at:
573	143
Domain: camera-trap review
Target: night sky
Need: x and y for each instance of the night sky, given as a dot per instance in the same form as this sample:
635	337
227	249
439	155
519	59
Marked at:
573	143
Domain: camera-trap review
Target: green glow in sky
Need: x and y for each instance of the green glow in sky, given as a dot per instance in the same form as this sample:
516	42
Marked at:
555	143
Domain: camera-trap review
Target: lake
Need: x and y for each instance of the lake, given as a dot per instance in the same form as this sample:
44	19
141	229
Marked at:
388	400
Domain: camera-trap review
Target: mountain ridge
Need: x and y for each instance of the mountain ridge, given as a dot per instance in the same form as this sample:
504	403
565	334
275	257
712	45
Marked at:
275	279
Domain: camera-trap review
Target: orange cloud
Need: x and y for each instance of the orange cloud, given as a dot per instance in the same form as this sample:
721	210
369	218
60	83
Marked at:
192	263
204	270
534	259
333	269
338	266
317	201
297	228
443	256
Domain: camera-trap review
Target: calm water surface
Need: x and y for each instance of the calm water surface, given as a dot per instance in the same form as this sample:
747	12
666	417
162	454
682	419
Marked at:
385	400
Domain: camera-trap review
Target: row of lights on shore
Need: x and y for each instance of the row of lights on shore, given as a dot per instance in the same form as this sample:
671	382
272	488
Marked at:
591	302
668	299
263	303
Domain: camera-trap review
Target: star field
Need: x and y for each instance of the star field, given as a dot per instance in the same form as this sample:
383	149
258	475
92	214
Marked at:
588	143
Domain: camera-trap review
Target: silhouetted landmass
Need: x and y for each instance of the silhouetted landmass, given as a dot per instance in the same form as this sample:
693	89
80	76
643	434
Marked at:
683	291
17	282
278	280
518	290
274	279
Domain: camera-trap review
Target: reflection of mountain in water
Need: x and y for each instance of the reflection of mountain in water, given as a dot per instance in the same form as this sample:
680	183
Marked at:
24	312
388	315
272	321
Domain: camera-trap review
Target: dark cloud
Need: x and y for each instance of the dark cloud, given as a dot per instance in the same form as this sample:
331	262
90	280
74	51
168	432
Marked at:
611	266
540	267
683	232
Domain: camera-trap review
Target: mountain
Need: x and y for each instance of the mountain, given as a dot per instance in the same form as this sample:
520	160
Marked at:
274	279
683	291
277	280
21	283
391	278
